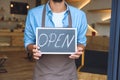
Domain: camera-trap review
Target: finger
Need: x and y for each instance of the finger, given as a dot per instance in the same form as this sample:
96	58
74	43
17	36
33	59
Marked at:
79	53
74	56
36	47
36	51
36	58
36	55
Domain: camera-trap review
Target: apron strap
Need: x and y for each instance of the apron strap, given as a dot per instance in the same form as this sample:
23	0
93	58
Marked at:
69	19
44	14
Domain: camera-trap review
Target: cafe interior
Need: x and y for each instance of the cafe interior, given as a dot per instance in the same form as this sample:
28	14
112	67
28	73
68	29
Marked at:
17	64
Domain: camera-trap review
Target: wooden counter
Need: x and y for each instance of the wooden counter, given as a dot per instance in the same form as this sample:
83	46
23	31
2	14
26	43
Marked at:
97	43
11	41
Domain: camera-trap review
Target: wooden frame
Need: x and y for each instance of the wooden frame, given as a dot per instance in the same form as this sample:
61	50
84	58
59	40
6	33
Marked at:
82	62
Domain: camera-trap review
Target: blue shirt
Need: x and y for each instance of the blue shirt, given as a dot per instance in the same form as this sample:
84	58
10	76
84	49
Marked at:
34	19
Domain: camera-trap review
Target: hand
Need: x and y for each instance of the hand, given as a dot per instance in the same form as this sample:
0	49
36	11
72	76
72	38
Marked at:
79	52
36	52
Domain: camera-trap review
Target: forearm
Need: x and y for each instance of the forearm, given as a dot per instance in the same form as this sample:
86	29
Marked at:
30	48
79	46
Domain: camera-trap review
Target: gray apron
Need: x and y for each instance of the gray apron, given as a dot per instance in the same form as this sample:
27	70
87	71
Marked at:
55	67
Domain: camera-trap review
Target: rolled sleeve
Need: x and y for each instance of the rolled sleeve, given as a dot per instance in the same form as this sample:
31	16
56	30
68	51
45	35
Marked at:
81	38
29	34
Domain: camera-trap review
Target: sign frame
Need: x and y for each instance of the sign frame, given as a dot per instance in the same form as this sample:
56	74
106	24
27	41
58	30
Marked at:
68	29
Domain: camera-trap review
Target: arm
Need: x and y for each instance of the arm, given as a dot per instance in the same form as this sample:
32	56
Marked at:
81	37
29	37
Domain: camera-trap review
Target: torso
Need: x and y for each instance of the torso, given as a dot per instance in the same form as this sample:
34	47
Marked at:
55	67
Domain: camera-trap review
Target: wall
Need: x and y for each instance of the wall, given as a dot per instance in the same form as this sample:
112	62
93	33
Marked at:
5	5
43	1
95	17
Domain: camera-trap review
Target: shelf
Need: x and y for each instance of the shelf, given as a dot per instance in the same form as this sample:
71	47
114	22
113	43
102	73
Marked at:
100	10
11	41
103	23
13	48
10	21
99	43
11	33
73	0
78	3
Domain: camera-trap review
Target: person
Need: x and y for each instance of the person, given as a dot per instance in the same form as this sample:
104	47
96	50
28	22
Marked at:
55	13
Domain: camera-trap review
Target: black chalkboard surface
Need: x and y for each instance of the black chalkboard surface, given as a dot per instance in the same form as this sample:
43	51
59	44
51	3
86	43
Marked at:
56	40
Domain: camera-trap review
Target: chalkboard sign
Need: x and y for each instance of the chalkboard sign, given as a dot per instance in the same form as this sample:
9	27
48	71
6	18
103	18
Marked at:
56	40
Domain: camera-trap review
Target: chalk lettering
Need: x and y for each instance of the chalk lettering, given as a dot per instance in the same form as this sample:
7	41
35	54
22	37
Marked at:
58	39
46	39
67	40
54	39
